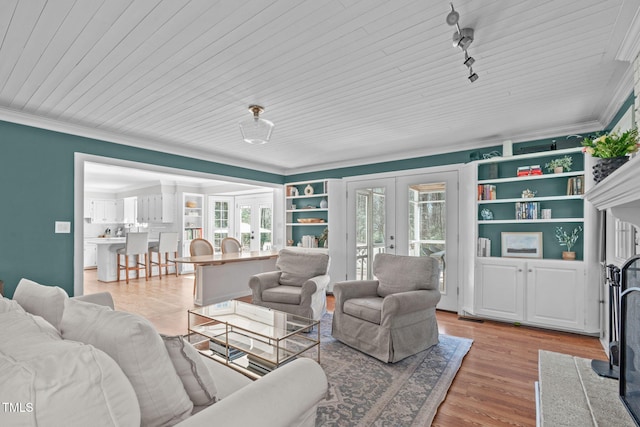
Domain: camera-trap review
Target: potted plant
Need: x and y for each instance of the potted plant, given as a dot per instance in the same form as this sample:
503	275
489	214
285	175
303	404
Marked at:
568	240
323	239
611	150
559	165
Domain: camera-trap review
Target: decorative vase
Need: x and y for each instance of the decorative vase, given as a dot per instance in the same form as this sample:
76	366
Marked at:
308	190
324	204
570	256
604	167
559	169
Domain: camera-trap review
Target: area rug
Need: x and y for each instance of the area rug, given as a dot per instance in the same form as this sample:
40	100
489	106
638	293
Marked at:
366	392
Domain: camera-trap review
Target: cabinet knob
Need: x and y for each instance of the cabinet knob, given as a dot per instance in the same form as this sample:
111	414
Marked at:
391	246
519	270
530	271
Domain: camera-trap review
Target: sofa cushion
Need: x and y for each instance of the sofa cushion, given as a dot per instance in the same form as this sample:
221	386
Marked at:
137	348
283	294
369	309
297	266
59	382
190	367
7	305
44	301
398	273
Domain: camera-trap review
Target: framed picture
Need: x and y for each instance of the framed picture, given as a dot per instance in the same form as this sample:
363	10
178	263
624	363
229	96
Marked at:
521	245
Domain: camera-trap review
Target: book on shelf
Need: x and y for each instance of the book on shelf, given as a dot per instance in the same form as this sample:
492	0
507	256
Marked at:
575	185
484	247
264	366
527	210
487	192
193	233
529	170
221	350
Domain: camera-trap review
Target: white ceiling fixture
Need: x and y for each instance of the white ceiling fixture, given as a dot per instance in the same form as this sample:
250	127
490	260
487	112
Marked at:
462	38
256	130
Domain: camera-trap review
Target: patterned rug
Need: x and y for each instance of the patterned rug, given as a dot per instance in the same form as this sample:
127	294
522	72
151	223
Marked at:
366	392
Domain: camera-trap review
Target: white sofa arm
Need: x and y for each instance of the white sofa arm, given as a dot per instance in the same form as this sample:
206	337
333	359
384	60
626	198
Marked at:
288	396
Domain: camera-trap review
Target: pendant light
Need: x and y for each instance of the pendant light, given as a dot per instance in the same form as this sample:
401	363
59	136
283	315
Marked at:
256	130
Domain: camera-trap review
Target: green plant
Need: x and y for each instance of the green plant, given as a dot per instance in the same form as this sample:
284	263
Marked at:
563	162
615	144
566	239
322	238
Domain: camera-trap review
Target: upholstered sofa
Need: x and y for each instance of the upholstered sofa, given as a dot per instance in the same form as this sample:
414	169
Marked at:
78	362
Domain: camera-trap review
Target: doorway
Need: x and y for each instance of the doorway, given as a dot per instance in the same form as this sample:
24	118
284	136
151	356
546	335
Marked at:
414	215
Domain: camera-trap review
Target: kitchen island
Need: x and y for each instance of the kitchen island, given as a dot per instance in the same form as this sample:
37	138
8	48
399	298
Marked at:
221	277
106	256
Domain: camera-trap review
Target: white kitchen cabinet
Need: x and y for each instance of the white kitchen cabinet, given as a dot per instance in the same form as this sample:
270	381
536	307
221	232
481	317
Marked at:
546	293
107	211
90	255
156	208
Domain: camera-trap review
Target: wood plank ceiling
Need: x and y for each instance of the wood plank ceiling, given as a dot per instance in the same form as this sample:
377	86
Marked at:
345	82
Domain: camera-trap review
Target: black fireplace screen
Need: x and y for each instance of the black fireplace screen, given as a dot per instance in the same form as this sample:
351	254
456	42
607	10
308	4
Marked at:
630	337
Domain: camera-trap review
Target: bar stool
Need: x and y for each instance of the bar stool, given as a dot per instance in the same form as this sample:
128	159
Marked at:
136	244
168	244
199	247
230	245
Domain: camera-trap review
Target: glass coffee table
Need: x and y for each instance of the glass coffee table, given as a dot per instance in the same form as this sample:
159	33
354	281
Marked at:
250	338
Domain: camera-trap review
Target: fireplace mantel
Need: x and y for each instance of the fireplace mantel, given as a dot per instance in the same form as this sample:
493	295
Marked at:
620	192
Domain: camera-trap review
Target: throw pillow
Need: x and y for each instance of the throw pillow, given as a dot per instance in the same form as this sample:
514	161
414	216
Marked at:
137	348
58	382
43	301
190	367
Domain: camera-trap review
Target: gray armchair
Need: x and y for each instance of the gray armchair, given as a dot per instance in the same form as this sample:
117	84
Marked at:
297	287
394	316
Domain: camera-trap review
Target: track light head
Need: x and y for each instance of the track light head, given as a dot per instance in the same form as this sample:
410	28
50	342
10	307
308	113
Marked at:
472	76
468	60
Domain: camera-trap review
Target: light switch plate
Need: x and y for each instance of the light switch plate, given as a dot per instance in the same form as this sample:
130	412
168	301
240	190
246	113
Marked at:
63	227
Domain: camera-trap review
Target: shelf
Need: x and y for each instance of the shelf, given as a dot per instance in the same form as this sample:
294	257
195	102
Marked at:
531	199
304	196
528	221
307	210
531	177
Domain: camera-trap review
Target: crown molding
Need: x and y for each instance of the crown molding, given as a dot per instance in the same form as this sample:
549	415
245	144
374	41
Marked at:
630	47
22	118
622	92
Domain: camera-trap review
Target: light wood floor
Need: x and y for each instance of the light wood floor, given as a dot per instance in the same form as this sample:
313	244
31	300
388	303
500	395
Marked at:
494	386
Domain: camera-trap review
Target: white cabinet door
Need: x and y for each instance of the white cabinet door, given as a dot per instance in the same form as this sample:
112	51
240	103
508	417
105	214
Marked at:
500	288
555	294
90	255
98	213
143	209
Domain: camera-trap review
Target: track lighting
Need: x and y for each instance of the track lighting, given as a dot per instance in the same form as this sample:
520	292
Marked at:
462	39
468	60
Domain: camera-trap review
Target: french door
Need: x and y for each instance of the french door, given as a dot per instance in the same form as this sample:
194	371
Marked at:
254	217
414	215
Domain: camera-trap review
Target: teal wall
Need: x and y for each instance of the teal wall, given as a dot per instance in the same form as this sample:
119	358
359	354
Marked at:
37	189
37	181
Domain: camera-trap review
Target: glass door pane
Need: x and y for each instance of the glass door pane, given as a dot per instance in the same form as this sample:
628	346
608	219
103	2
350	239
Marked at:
246	232
428	223
266	227
221	224
371	217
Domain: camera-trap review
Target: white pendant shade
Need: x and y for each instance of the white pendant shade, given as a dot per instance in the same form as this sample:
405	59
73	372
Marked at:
256	130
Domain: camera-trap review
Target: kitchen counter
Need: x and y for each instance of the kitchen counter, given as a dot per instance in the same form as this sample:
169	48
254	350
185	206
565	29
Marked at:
107	258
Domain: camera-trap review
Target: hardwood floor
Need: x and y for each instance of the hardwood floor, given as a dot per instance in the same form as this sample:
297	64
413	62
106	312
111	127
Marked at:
494	386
